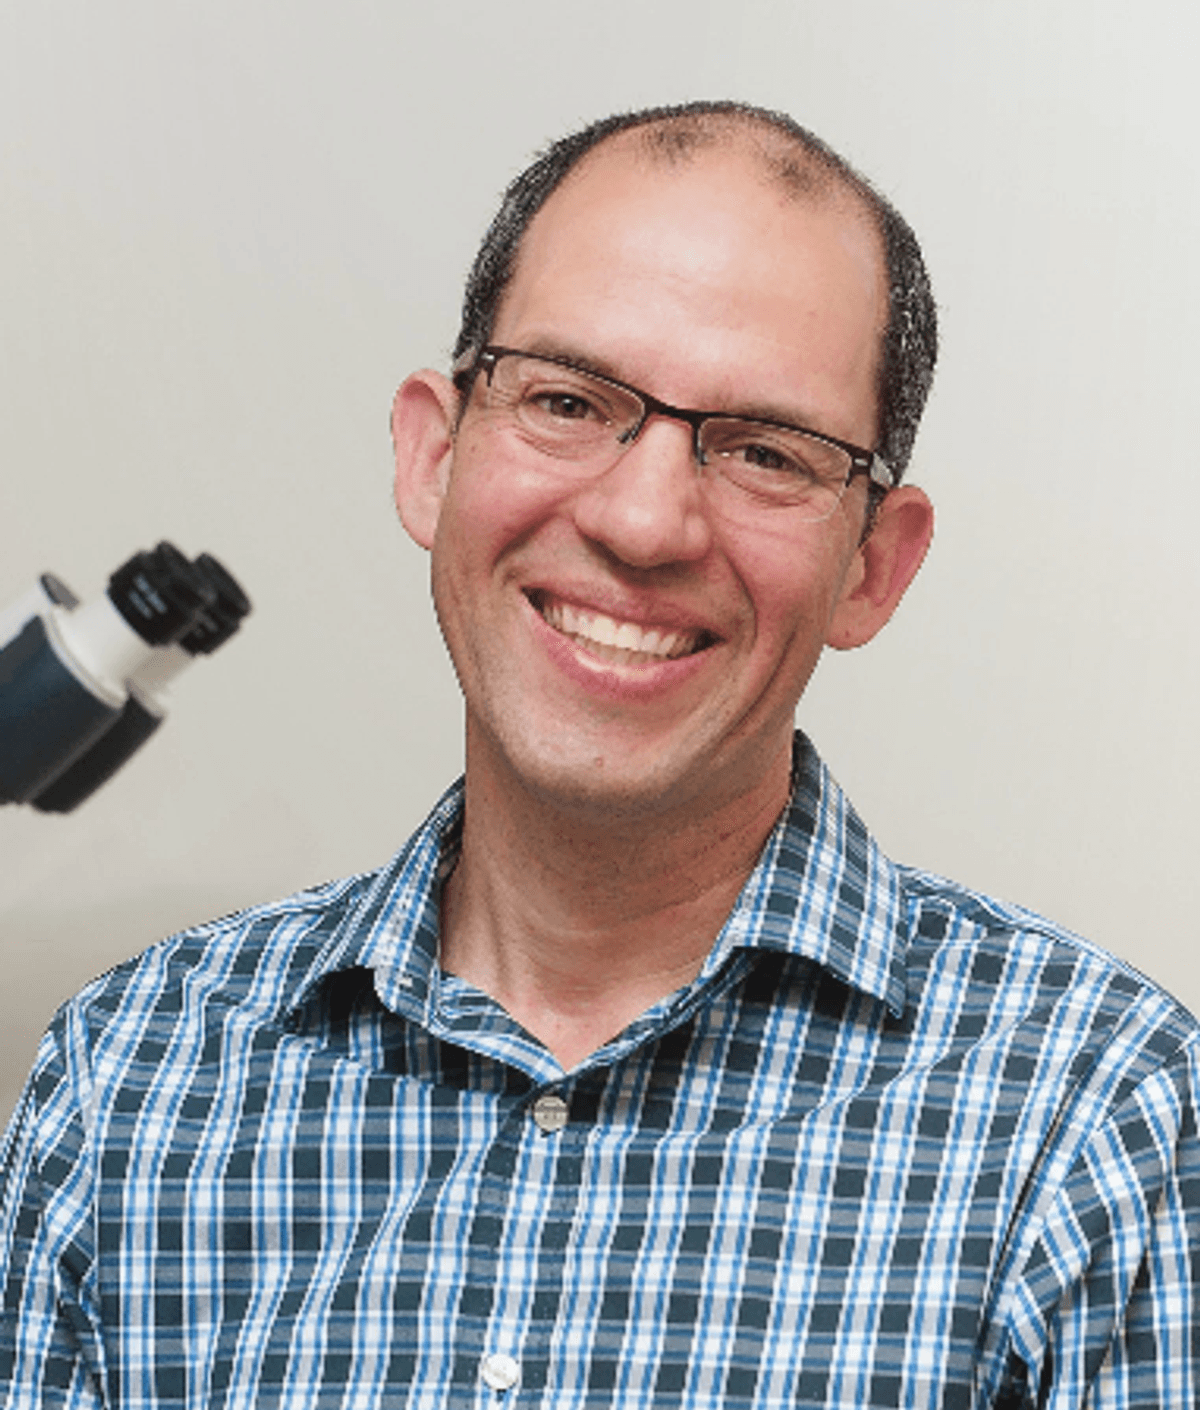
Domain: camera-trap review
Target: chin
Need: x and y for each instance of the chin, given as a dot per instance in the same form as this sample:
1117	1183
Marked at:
603	782
608	785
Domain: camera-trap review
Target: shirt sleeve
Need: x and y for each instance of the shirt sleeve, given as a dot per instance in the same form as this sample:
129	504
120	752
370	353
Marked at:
1107	1308
51	1351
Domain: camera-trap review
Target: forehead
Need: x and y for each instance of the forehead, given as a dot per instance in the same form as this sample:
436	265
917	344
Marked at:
704	268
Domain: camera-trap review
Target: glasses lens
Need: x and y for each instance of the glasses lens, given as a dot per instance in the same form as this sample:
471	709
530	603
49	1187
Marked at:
776	464
561	411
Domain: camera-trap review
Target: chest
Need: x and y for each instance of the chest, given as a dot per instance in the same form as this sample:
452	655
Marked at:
798	1224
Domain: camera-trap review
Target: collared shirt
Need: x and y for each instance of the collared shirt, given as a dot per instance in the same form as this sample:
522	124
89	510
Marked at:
898	1144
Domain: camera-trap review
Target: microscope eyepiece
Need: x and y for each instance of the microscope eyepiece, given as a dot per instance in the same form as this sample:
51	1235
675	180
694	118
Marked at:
161	594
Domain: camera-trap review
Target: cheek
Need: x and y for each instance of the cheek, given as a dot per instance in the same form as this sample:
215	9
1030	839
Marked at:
493	498
794	579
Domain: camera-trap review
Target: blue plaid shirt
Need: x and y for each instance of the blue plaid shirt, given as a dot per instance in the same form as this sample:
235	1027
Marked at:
897	1145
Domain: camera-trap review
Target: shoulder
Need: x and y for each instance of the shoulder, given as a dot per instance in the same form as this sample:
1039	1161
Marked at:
158	1020
248	962
1001	968
207	998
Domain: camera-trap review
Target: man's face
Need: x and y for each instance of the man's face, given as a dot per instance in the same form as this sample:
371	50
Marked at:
709	287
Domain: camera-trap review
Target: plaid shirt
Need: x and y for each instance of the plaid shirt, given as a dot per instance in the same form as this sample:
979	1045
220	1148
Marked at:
896	1145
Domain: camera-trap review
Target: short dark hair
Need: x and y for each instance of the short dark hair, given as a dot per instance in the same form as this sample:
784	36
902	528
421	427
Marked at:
909	349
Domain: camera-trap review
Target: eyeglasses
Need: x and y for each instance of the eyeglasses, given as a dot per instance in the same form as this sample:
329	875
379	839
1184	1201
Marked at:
585	422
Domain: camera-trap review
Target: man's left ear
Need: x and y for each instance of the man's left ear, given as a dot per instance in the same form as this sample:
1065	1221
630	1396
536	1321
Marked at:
885	563
423	417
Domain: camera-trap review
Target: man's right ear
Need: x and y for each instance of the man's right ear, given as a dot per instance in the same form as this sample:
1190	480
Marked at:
423	417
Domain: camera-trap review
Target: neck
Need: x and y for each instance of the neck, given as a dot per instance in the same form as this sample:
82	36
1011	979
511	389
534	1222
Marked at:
575	922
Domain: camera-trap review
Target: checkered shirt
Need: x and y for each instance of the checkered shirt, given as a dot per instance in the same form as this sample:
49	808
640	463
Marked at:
898	1144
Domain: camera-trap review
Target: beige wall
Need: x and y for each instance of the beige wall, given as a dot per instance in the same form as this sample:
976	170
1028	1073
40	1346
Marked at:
228	231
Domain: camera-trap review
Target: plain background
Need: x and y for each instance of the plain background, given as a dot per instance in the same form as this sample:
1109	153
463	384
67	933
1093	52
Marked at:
229	230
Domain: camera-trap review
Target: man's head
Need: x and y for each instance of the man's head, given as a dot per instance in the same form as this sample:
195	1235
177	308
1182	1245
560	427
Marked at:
634	614
801	161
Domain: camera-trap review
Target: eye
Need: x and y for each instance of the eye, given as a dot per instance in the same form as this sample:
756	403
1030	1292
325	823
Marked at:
561	405
765	457
779	464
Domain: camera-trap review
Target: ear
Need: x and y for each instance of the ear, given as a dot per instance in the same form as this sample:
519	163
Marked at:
423	418
885	563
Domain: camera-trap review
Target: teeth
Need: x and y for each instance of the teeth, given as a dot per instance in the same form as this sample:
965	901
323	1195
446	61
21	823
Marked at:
620	641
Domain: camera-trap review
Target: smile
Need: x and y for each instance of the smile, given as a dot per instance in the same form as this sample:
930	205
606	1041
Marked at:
620	643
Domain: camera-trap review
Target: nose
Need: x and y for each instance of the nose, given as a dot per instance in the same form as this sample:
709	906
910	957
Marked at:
649	509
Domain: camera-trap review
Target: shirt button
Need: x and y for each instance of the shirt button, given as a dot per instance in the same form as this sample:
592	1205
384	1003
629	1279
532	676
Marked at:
550	1113
500	1372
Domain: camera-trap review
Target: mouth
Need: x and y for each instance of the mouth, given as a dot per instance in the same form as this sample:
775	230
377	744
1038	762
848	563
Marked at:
618	642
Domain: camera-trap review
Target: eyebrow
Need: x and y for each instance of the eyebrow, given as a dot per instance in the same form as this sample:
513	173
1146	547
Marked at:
599	367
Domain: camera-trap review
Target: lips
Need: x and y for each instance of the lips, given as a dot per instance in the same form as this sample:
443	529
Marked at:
620	642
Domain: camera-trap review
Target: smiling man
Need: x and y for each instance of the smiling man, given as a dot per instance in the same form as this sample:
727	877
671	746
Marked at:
634	598
640	1077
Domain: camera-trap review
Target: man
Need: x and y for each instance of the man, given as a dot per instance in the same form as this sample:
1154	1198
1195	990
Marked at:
640	1077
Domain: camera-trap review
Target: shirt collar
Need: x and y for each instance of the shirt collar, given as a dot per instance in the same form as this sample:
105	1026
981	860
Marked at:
392	928
824	891
821	890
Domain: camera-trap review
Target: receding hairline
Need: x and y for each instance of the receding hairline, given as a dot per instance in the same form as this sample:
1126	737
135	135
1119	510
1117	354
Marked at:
786	164
795	163
798	171
801	167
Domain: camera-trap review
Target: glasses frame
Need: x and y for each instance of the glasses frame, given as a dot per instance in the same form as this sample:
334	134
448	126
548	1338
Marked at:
862	462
